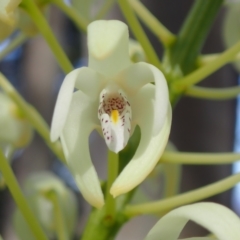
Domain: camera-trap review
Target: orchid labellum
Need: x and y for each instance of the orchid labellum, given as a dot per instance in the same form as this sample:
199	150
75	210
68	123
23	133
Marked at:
113	96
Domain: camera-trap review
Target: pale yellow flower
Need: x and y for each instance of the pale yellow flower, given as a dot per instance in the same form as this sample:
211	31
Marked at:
113	96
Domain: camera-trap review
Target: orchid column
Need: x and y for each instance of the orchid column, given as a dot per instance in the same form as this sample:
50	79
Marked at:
113	96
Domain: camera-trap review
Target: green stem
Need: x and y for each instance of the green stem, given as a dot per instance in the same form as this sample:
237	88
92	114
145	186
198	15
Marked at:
167	204
19	198
206	59
172	177
30	7
199	158
213	93
59	218
104	10
32	116
112	174
75	16
96	227
157	28
139	33
196	76
16	42
193	34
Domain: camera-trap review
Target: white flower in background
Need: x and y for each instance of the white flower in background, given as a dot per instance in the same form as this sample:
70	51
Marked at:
219	220
7	10
15	131
48	198
113	96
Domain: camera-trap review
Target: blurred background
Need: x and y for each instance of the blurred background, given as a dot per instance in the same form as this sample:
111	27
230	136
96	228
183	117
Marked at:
198	125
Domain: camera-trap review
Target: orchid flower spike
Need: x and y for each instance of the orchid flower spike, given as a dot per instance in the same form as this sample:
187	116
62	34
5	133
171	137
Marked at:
113	96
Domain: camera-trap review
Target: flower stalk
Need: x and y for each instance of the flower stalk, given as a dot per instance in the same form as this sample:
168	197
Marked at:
75	16
31	8
163	34
112	175
202	72
199	158
165	205
139	33
104	9
19	198
59	219
15	43
97	228
172	179
213	93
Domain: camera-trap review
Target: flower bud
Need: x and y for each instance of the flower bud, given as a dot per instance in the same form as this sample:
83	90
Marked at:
47	195
14	128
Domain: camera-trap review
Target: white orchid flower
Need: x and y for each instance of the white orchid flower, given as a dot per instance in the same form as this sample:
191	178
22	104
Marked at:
113	96
218	219
7	10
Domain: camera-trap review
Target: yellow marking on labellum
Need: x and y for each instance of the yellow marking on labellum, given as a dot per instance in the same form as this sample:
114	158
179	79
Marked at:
114	116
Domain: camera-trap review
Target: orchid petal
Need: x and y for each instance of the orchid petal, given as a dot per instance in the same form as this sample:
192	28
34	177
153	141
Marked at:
139	74
150	147
108	47
81	121
85	79
221	221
